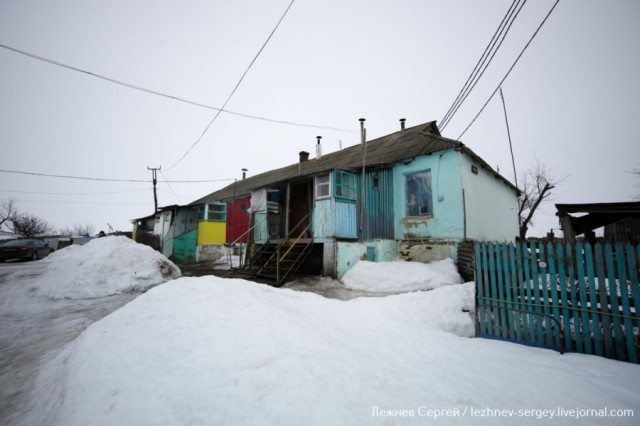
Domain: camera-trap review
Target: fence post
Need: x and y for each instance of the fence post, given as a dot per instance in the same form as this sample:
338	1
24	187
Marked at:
593	301
626	310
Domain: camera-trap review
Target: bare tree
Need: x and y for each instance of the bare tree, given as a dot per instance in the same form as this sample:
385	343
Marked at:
28	225
77	229
8	208
536	184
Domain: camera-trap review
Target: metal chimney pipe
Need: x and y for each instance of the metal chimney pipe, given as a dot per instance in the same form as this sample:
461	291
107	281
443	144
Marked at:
244	173
402	120
318	147
362	134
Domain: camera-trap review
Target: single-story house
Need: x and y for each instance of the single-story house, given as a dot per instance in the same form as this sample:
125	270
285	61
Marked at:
412	194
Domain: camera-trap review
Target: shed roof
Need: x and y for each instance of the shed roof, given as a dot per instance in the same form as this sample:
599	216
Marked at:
402	145
596	215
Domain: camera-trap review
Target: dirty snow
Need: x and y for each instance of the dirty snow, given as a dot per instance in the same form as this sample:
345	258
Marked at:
103	267
210	350
226	351
401	276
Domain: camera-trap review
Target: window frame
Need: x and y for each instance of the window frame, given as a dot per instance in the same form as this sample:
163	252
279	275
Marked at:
216	214
327	184
341	185
427	196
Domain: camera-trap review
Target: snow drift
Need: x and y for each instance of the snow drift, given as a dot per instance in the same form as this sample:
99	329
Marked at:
401	276
103	267
217	351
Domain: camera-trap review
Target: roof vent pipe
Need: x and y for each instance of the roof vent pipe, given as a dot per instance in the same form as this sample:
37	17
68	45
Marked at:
402	120
244	173
363	136
318	147
304	156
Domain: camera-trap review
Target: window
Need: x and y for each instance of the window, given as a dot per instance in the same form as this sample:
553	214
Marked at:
345	185
323	186
376	181
214	212
418	186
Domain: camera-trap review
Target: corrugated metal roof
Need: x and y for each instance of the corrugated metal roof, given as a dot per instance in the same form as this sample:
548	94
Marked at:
402	145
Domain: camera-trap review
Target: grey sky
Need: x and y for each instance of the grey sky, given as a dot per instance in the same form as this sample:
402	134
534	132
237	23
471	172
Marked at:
573	99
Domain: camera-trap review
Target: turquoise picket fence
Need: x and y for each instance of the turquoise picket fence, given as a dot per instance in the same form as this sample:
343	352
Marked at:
570	297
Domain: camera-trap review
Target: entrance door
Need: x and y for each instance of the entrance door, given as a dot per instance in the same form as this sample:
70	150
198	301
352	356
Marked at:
299	207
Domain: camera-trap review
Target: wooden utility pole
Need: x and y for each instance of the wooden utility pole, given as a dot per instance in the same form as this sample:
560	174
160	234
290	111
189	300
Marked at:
154	174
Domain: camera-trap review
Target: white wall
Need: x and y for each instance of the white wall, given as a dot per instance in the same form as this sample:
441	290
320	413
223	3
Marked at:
491	205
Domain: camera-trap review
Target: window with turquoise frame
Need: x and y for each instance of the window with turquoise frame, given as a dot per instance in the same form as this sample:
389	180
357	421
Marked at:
344	185
213	212
419	197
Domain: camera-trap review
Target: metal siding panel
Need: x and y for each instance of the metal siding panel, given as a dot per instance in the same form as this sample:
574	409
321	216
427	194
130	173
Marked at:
211	233
237	219
378	215
260	232
346	220
323	226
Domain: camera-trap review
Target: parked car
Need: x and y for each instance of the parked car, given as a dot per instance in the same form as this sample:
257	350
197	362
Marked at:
24	249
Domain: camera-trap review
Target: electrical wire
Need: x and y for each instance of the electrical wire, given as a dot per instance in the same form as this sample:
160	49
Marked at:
170	187
109	180
234	89
510	69
74	193
165	95
501	33
477	66
82	202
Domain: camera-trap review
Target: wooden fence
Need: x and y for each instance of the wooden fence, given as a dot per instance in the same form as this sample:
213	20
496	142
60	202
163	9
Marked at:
573	297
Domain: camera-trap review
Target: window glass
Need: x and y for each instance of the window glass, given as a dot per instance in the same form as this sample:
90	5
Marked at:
419	200
345	185
217	212
323	186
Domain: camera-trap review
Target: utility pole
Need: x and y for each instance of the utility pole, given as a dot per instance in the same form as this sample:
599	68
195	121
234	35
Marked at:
513	160
154	174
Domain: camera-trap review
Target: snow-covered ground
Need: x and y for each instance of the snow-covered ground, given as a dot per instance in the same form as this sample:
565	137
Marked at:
201	351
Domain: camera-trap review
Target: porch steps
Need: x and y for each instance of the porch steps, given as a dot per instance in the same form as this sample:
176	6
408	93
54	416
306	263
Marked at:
277	263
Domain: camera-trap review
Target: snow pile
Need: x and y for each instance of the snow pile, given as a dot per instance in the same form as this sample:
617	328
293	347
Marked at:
401	276
214	351
103	267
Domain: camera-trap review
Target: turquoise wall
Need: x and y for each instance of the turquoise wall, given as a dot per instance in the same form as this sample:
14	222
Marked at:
348	254
261	231
322	219
334	218
346	219
447	221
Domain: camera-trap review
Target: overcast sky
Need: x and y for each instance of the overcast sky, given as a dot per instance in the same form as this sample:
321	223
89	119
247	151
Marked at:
572	99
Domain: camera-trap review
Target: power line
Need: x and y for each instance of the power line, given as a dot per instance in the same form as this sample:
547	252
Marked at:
107	179
234	89
165	95
478	64
170	187
510	69
484	61
73	193
81	202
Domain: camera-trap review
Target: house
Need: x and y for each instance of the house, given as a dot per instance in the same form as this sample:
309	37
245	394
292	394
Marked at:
172	230
411	194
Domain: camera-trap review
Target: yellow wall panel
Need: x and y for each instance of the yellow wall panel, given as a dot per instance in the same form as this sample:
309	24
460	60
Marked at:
212	233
